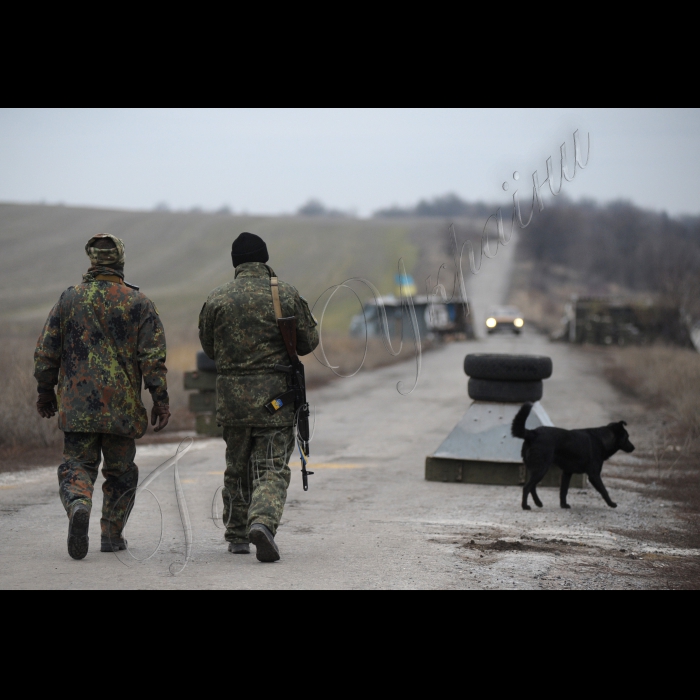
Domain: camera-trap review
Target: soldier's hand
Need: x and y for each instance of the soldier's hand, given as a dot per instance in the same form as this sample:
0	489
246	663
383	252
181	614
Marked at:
160	413
46	404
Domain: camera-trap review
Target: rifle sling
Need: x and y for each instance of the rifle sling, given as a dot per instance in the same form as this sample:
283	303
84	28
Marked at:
289	338
274	288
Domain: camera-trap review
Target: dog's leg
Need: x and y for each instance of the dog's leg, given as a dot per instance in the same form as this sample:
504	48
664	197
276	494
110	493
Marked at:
564	489
535	497
533	479
526	490
600	488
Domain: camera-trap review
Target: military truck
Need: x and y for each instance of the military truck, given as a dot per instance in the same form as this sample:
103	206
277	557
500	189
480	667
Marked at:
621	321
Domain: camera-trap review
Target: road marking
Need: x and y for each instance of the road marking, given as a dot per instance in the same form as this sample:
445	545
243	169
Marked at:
334	465
314	465
4	488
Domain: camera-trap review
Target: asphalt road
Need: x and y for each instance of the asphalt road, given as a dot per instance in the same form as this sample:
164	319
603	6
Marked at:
369	520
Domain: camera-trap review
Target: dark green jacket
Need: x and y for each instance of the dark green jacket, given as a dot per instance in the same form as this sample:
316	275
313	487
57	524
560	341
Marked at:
238	329
100	340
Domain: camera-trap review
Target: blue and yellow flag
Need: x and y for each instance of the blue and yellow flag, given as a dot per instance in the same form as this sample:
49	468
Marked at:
405	285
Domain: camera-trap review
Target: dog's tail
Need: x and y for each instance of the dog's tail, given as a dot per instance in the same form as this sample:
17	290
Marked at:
517	429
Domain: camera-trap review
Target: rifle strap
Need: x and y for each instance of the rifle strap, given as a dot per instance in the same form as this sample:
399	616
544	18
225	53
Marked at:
274	288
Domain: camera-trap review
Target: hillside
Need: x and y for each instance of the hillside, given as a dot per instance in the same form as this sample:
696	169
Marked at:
178	258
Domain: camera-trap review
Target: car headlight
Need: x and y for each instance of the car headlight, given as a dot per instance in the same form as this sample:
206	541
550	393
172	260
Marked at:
518	323
491	322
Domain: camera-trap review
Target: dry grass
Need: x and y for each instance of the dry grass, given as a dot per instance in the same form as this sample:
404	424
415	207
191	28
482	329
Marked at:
342	352
21	428
666	377
25	438
178	258
667	380
346	355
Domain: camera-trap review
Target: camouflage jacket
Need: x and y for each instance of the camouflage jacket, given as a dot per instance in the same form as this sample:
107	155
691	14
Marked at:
99	341
238	329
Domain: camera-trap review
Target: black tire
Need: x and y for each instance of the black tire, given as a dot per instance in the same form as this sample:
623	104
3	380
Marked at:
508	368
204	363
504	392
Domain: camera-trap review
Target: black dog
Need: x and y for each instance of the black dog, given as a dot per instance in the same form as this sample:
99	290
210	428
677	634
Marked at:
573	451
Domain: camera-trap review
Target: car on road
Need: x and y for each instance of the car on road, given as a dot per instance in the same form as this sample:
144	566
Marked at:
505	318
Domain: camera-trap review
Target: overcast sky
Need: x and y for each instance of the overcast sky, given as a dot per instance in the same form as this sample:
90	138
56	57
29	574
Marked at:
272	161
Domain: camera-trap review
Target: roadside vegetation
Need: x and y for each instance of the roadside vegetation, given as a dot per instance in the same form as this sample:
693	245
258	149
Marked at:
666	378
667	381
606	250
25	437
619	250
622	250
21	428
177	259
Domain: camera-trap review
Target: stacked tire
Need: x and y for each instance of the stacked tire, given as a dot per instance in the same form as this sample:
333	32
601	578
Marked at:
506	378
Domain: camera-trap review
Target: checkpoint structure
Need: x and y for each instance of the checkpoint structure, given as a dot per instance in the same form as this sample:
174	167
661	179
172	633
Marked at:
480	448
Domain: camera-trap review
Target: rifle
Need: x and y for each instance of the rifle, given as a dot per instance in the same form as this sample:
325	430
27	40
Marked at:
295	380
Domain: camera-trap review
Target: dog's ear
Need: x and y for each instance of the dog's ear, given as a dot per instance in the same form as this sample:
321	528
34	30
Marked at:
623	422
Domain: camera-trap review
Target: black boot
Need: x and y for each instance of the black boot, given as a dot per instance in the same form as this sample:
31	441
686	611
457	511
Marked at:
112	544
239	548
78	526
265	547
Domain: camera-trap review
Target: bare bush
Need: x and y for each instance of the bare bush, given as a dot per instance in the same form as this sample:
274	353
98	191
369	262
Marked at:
21	427
23	430
610	249
667	376
666	452
346	354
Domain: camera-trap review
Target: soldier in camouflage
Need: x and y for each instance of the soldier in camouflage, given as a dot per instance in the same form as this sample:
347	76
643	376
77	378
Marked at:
100	340
238	329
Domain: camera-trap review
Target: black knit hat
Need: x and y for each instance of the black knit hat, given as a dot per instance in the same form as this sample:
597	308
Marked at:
248	248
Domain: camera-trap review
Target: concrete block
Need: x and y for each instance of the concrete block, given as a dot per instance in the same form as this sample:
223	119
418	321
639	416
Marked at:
499	473
481	450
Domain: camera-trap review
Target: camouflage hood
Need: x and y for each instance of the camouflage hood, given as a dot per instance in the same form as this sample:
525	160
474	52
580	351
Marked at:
111	256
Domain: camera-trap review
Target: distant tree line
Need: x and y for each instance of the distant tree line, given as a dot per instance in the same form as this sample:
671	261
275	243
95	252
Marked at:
224	210
619	242
446	206
315	207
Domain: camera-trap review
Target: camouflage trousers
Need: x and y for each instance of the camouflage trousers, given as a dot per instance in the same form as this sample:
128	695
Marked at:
77	474
256	479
